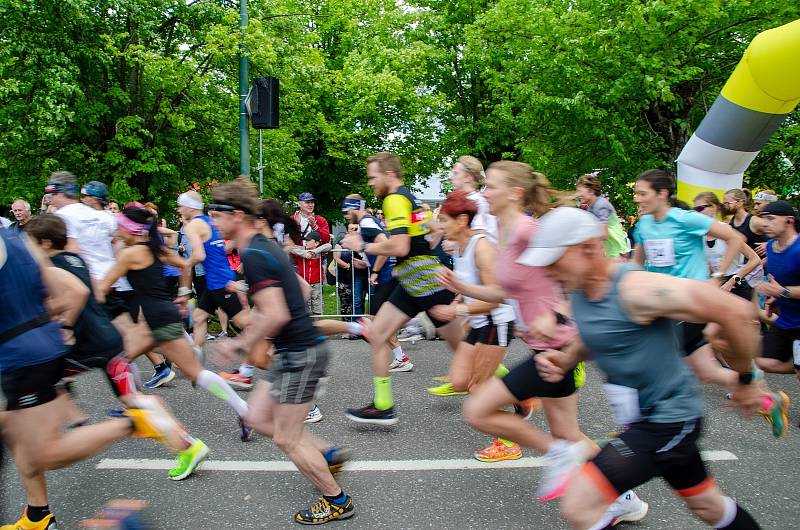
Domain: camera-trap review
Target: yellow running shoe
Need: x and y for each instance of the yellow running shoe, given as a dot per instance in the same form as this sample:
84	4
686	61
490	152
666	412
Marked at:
498	451
151	419
445	389
441	379
48	523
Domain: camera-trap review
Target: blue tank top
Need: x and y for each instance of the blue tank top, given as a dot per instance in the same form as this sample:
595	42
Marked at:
642	362
785	267
218	270
21	284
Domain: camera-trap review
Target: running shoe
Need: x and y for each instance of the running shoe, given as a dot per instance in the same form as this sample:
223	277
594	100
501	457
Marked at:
336	458
370	414
151	419
402	365
498	451
563	460
188	460
324	511
410	334
48	523
222	335
444	390
237	381
627	508
245	432
160	377
527	408
441	379
314	415
778	414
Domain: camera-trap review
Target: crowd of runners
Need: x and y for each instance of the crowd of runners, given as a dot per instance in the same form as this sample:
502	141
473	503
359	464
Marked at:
688	299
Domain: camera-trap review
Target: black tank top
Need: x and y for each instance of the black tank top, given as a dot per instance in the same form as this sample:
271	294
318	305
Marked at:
153	294
744	229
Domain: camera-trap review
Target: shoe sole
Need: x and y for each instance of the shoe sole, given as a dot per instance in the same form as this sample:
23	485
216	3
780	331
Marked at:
186	474
373	422
413	338
164	381
315	419
346	515
632	517
448	394
489	460
784	413
239	386
404	368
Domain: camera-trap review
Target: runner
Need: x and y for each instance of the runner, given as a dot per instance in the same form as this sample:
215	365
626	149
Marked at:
590	195
467	175
417	290
623	317
99	345
672	241
142	261
513	188
31	365
736	203
280	404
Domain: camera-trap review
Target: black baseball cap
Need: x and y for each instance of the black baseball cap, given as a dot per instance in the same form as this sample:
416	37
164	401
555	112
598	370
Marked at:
314	235
779	208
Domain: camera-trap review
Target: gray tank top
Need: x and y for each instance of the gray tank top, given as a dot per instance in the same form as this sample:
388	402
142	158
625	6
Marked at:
648	379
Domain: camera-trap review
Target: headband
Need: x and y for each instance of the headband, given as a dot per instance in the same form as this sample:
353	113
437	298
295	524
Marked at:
55	187
765	197
226	207
353	204
130	226
184	199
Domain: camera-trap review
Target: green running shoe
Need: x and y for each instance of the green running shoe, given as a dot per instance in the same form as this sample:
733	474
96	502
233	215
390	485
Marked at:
778	414
445	389
188	460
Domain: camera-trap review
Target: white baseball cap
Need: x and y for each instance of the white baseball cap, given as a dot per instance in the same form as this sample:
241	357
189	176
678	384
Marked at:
558	230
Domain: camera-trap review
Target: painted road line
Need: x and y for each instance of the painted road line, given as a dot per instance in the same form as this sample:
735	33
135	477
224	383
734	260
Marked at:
362	465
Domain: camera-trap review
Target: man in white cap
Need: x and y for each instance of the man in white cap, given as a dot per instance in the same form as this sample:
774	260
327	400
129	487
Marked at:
623	316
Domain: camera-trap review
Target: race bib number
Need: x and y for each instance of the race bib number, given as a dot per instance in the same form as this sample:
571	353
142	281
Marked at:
660	252
624	403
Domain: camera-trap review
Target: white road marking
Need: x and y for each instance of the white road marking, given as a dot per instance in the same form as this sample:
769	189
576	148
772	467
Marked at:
358	465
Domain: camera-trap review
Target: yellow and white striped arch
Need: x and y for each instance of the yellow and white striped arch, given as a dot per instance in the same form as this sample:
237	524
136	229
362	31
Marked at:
763	89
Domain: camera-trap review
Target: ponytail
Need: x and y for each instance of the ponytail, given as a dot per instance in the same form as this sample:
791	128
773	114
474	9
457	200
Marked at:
539	197
274	213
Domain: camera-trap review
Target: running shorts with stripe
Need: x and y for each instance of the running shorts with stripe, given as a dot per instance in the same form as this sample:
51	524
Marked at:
295	375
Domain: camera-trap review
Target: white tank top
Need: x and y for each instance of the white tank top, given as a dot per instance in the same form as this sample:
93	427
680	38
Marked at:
716	253
467	272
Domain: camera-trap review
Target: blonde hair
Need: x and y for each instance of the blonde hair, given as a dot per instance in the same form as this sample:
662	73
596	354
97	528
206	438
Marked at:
742	194
708	196
387	162
473	167
539	196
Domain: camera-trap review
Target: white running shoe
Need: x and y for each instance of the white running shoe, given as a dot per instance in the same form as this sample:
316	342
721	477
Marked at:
401	365
314	415
563	460
628	507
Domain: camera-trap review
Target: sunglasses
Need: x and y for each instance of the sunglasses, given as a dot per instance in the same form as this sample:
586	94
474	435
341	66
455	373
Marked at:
701	207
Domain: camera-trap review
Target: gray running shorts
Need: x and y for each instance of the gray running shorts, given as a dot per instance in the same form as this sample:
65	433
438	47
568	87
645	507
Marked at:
295	375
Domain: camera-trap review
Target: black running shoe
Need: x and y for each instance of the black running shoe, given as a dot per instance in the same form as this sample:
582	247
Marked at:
245	432
336	458
370	414
324	511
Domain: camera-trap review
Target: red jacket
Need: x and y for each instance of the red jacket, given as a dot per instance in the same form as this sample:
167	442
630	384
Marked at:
320	225
310	269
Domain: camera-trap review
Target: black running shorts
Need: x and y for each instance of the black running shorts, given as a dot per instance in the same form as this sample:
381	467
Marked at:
524	382
779	344
647	450
119	302
491	334
691	336
33	385
412	305
295	375
209	301
380	293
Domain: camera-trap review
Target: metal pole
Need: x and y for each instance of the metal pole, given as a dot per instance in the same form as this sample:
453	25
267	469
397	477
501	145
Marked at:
260	167
244	85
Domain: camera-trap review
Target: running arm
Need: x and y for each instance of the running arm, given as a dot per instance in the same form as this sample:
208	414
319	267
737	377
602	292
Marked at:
488	293
269	314
733	239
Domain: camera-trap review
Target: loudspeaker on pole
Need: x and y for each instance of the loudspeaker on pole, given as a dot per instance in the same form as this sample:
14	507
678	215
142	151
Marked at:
263	103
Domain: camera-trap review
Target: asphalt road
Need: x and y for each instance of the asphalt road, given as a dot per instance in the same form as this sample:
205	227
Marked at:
393	494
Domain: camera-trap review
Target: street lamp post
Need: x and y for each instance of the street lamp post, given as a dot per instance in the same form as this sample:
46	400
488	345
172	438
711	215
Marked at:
244	86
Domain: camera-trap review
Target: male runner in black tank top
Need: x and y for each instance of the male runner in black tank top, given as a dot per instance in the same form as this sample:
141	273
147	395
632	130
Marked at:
278	406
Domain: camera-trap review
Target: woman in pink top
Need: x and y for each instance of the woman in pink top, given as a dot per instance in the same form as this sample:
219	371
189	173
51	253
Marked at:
513	188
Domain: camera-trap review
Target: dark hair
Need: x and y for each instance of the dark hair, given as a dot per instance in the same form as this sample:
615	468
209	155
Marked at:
590	182
50	227
273	213
458	203
142	216
660	180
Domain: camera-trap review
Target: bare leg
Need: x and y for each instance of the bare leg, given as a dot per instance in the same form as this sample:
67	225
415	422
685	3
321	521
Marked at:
199	327
386	323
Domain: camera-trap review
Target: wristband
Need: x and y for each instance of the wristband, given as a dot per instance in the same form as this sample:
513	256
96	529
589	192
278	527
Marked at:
745	378
184	291
786	293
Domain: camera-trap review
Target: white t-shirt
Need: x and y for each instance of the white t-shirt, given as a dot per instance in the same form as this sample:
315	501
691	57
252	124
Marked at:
94	230
484	221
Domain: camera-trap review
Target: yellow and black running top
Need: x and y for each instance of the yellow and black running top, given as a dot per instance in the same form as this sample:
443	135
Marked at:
416	271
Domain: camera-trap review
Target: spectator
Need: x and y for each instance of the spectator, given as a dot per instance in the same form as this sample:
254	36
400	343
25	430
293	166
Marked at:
309	266
308	221
22	213
5	222
352	280
381	218
590	195
113	207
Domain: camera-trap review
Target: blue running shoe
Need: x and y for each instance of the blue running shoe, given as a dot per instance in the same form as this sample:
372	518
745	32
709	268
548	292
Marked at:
160	377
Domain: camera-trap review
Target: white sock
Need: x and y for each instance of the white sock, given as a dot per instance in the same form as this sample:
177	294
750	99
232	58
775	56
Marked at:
246	370
398	353
188	337
354	328
729	514
221	389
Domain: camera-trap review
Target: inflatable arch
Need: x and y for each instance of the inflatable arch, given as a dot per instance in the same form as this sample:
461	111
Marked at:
763	89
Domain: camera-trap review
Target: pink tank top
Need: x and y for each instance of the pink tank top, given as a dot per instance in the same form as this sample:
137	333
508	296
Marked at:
534	291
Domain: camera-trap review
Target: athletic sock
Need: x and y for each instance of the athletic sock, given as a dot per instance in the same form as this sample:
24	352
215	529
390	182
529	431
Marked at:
735	517
217	386
501	371
398	353
383	393
337	499
37	513
507	443
246	370
354	328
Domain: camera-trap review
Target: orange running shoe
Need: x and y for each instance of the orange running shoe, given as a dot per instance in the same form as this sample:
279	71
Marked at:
498	451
